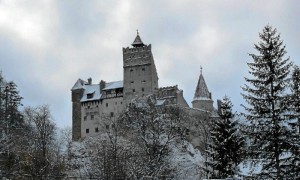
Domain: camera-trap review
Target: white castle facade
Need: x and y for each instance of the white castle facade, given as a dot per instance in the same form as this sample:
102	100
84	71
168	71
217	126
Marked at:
92	104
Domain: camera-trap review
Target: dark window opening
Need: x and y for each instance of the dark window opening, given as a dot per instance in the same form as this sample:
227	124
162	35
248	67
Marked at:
143	69
133	90
84	118
111	114
106	104
87	131
107	126
143	89
89	96
92	117
96	129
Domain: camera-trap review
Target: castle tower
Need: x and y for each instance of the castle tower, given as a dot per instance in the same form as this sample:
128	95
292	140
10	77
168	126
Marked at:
140	76
77	93
202	98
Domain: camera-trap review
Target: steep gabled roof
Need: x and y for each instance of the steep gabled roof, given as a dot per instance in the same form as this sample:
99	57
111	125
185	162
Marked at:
202	92
79	84
137	41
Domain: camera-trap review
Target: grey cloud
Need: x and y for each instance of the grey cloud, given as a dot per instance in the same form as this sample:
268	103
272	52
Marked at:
81	39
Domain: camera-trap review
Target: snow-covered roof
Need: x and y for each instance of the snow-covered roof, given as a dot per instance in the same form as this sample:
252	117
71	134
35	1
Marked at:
93	89
113	85
160	102
79	84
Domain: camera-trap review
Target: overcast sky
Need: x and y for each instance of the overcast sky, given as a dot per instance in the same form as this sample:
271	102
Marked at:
46	45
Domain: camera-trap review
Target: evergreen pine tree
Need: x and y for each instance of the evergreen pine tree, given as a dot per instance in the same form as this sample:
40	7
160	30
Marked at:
227	144
295	107
266	96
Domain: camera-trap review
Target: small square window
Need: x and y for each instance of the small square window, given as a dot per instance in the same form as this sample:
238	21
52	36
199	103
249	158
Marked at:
107	126
87	131
143	69
131	70
89	96
131	82
121	102
96	129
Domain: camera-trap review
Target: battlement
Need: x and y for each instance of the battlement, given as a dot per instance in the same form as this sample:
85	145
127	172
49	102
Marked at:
169	87
129	50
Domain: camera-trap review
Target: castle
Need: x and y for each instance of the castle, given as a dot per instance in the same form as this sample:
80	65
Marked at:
93	103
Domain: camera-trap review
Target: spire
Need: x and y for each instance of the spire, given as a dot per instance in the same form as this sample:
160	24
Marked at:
137	41
202	92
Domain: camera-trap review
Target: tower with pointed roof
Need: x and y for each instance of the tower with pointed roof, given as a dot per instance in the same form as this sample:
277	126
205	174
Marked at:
139	71
202	98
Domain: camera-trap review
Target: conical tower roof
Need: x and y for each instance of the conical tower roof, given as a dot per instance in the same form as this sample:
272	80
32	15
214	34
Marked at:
137	41
202	92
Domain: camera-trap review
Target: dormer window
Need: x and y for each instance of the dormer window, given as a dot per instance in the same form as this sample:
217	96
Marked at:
89	96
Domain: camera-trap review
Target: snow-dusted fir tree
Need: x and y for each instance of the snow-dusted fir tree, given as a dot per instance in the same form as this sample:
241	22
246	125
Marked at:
266	95
295	97
295	108
227	143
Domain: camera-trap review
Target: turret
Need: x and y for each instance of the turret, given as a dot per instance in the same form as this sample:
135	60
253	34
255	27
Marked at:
202	98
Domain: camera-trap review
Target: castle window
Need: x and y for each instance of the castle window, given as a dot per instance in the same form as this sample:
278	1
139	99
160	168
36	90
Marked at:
121	102
143	81
96	129
143	69
131	82
131	70
92	117
89	96
133	90
111	114
87	131
107	126
106	104
84	118
143	89
89	107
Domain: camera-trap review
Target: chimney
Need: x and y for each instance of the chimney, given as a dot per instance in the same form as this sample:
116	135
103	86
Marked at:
102	85
219	103
89	81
